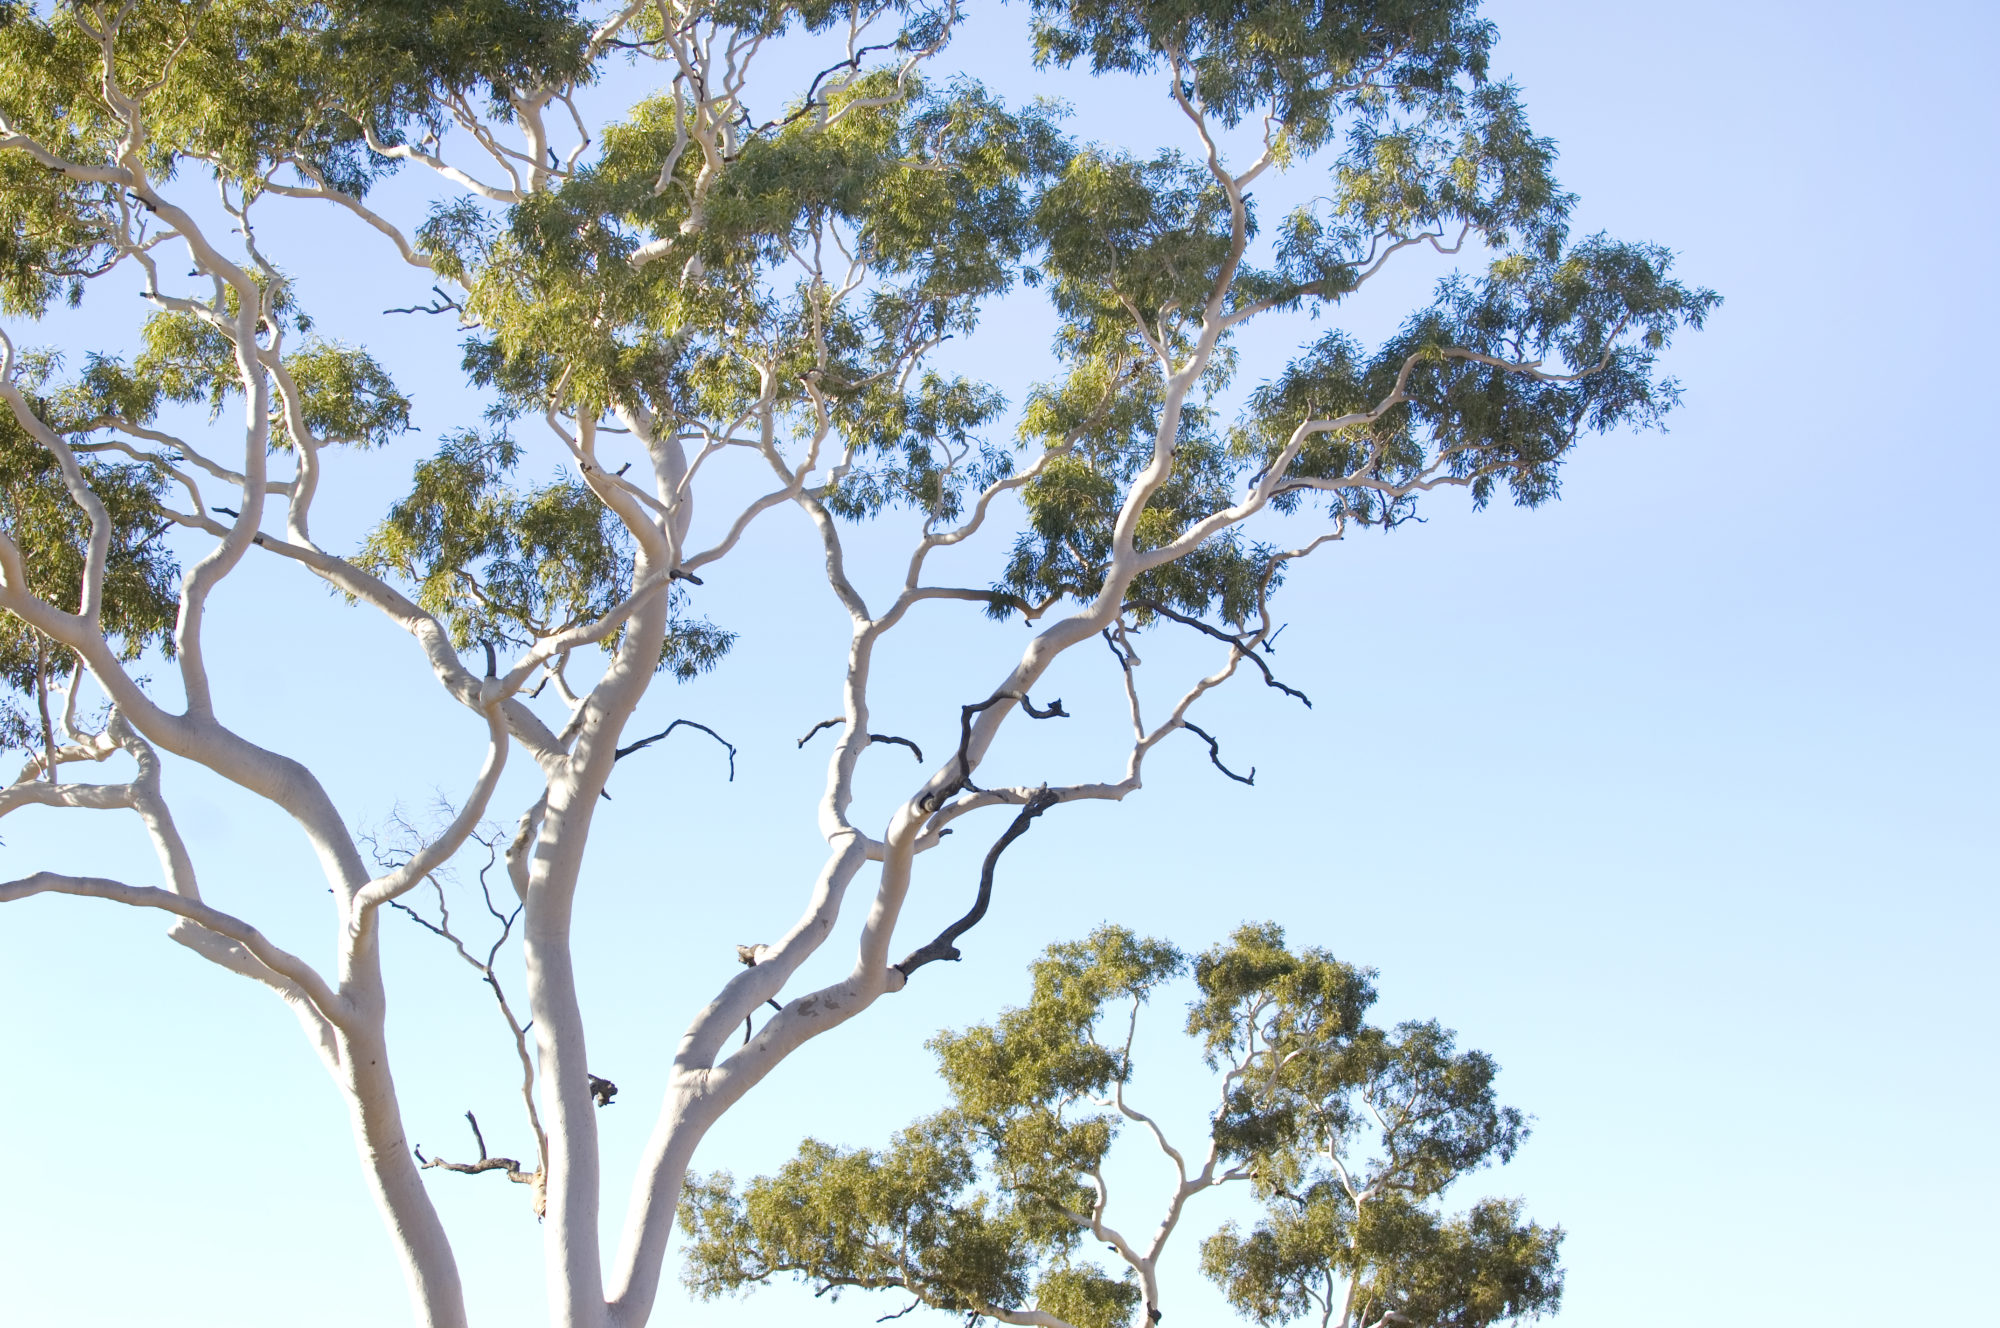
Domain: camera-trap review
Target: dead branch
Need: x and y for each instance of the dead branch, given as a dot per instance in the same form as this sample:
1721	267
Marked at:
507	1165
963	763
1215	754
900	742
943	945
838	720
1234	640
813	732
629	748
444	304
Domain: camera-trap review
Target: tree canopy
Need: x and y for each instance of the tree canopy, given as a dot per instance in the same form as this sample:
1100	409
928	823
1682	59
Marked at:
1350	1135
730	300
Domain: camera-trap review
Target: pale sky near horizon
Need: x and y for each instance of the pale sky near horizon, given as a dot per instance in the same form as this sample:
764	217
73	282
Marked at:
1676	795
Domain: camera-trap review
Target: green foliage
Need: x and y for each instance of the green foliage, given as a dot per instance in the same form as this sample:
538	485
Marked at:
841	242
1314	63
431	48
898	1218
1351	1134
930	192
1474	421
873	1219
1482	1267
498	563
38	514
345	396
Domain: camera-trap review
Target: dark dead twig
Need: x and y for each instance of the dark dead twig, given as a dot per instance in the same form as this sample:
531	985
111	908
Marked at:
838	720
944	946
1215	754
1234	640
813	732
510	1166
900	742
963	762
443	304
629	748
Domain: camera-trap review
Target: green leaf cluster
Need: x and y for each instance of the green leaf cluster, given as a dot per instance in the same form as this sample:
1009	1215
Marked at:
1484	1266
1310	64
38	514
345	395
495	561
928	193
838	244
904	1217
1351	1133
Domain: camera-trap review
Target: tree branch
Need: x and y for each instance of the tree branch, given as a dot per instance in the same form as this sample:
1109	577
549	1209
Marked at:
1215	753
625	751
1234	641
324	998
943	946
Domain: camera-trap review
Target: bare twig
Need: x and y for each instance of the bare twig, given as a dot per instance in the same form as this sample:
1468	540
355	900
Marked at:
900	742
510	1166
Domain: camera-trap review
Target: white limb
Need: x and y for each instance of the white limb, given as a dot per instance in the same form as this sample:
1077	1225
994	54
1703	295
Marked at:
571	1242
96	747
329	1002
1146	1264
440	849
407	152
699	1090
1104	1231
97	552
327	193
177	867
362	1052
470	691
1038	1318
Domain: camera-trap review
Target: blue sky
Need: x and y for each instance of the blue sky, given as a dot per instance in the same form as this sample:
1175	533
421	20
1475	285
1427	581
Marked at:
1676	795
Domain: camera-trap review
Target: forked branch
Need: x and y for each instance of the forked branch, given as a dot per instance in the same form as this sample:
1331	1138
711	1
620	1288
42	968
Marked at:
1243	643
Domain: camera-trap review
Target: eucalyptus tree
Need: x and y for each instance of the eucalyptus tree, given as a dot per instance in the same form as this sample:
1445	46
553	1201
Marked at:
1349	1133
741	267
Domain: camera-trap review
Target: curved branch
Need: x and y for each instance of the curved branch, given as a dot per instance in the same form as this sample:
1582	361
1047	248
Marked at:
838	720
281	961
943	945
1215	753
436	853
1235	642
625	751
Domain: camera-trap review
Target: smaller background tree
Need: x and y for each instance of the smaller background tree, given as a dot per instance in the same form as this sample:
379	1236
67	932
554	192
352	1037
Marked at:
1350	1134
